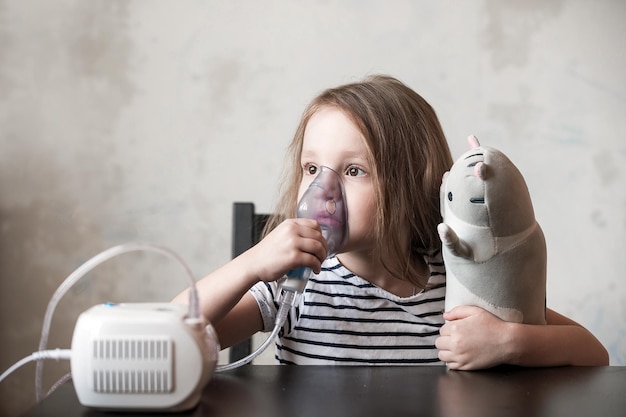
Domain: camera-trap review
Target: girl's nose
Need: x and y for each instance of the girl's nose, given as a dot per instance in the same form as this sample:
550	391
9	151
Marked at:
331	207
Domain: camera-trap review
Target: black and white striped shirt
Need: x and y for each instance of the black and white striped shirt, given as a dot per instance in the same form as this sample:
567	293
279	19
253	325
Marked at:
342	319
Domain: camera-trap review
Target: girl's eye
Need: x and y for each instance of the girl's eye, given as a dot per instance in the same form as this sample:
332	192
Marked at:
310	169
354	171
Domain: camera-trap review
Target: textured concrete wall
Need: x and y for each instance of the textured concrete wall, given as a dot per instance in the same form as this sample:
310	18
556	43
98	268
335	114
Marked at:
145	120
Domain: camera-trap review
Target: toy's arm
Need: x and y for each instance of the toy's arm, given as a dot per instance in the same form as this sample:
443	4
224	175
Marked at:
476	339
451	240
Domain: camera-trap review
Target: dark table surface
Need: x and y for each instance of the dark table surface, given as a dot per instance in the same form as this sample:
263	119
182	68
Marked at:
267	390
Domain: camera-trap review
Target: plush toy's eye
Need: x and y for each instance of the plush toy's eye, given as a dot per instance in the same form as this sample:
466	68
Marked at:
450	196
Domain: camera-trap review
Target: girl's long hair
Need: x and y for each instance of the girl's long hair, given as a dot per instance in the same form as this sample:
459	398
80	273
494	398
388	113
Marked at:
409	154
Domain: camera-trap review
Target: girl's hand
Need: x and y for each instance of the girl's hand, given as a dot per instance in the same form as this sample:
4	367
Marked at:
472	338
292	244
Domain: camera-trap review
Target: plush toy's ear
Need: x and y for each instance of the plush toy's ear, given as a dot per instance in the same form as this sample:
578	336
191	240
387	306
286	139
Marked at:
444	176
473	142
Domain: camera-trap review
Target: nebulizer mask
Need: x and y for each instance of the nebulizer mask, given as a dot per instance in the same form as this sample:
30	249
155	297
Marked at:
324	200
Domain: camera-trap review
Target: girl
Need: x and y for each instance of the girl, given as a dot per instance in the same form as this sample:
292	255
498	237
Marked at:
380	300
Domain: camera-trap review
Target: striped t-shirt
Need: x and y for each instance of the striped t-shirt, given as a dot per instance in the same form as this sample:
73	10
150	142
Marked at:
342	319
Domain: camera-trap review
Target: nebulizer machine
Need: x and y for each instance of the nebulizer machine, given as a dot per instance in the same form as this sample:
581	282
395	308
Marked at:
159	356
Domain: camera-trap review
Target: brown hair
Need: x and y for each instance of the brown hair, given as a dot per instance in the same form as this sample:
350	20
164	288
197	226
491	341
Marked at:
409	154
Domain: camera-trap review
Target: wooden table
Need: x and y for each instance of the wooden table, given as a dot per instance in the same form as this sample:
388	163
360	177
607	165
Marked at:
326	391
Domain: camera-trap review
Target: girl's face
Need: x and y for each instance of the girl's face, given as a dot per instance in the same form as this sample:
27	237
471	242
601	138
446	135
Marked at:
332	140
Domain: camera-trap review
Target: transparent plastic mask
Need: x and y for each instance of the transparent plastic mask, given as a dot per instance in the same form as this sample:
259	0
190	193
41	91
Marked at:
324	201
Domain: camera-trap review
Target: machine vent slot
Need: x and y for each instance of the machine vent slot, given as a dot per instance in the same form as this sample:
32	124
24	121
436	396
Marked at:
131	349
132	365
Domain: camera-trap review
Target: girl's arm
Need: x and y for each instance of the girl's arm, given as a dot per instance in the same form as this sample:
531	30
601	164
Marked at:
475	339
224	298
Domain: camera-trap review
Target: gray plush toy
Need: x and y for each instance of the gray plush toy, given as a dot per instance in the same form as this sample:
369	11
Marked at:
493	248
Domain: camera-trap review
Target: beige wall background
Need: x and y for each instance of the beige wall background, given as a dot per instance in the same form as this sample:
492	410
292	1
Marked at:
145	120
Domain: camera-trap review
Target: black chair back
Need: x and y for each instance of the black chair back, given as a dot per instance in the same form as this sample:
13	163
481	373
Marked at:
247	228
